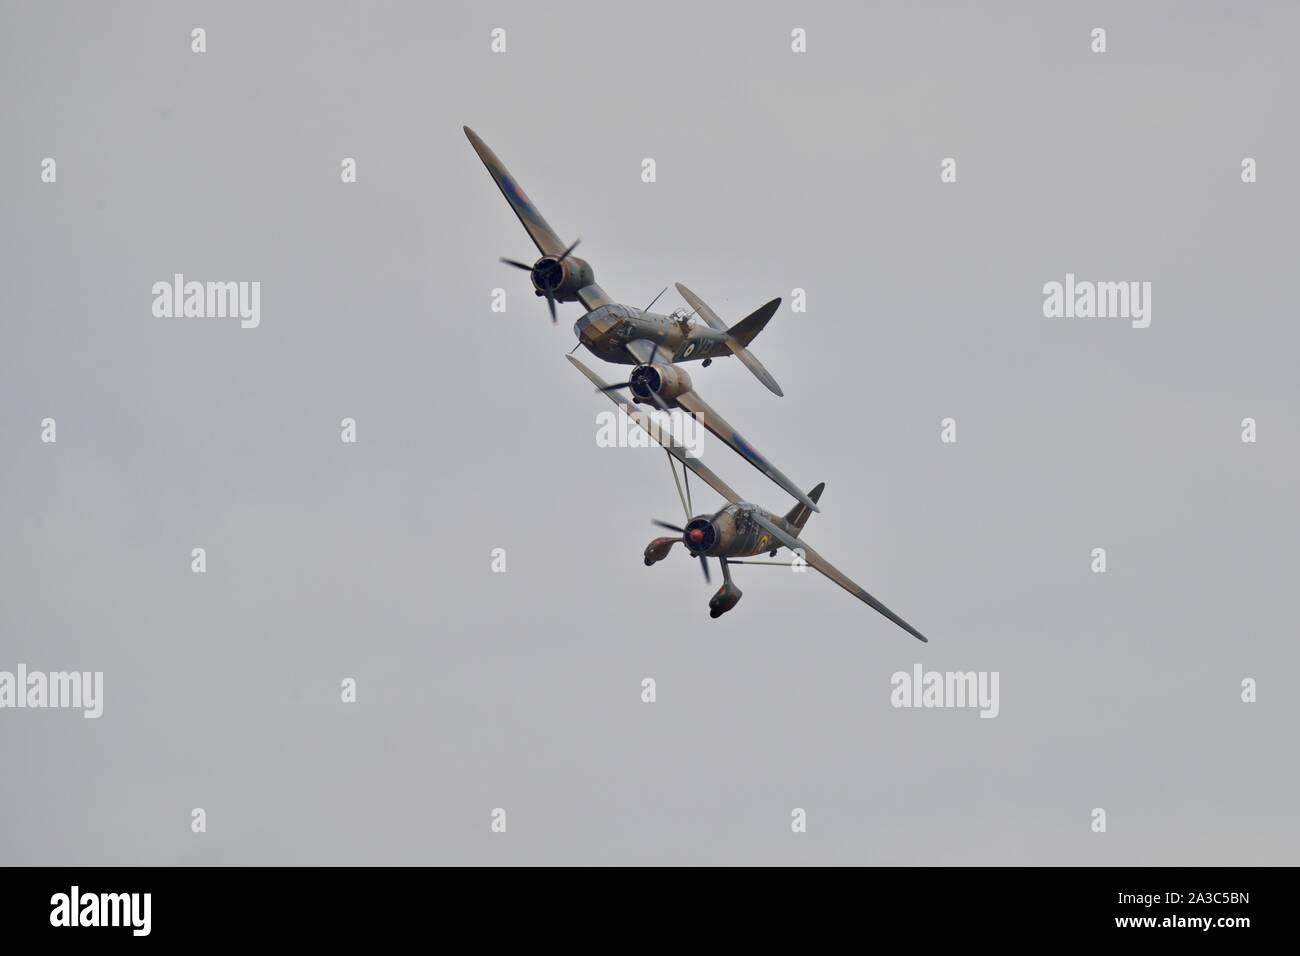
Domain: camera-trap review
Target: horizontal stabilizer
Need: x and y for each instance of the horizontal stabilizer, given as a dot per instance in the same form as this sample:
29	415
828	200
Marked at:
740	334
743	332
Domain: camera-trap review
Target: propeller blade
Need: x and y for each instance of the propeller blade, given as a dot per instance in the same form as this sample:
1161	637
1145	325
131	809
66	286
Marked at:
670	527
654	350
704	563
550	303
517	264
613	388
565	254
660	402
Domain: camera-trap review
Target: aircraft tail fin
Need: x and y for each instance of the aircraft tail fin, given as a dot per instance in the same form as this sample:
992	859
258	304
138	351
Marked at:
747	329
800	513
744	332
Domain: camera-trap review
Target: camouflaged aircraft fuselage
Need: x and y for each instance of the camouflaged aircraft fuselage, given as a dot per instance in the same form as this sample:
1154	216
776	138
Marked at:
607	331
732	533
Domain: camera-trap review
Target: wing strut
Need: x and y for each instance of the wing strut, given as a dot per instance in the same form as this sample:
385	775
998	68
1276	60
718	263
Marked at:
685	507
703	471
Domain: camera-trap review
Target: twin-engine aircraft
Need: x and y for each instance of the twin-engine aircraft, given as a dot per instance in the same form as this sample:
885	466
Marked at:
653	343
620	333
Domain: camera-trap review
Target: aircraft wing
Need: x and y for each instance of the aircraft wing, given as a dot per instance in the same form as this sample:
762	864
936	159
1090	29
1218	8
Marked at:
593	297
691	402
819	563
548	243
689	461
642	350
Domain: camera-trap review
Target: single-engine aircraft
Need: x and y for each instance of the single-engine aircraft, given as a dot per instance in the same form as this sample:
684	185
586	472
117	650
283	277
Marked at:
628	336
738	530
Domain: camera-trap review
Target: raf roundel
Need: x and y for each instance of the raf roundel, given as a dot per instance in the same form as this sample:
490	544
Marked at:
515	194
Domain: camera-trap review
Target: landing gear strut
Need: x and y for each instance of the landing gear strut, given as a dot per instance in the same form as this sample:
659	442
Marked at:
658	549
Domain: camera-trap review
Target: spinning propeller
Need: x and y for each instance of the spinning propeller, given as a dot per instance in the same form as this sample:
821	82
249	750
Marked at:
547	274
694	538
648	388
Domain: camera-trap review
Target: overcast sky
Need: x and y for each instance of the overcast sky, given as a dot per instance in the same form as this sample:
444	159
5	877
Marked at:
522	690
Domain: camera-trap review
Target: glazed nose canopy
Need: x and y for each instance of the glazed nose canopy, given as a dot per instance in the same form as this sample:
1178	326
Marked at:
592	326
700	535
645	379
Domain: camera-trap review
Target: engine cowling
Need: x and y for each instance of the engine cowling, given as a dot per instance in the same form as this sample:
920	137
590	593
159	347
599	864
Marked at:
667	381
710	536
561	278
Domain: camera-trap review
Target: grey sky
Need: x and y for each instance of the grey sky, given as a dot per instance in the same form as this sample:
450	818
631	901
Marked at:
775	171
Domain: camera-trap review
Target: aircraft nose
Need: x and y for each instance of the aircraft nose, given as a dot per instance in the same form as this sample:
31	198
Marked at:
587	328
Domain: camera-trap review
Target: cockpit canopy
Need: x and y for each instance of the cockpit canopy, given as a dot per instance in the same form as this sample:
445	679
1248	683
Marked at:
683	318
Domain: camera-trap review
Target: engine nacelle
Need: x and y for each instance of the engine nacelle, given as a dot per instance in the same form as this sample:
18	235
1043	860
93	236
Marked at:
712	537
728	596
667	381
562	278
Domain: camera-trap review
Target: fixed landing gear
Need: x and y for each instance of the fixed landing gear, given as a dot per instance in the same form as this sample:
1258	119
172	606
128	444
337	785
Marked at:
658	549
728	595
